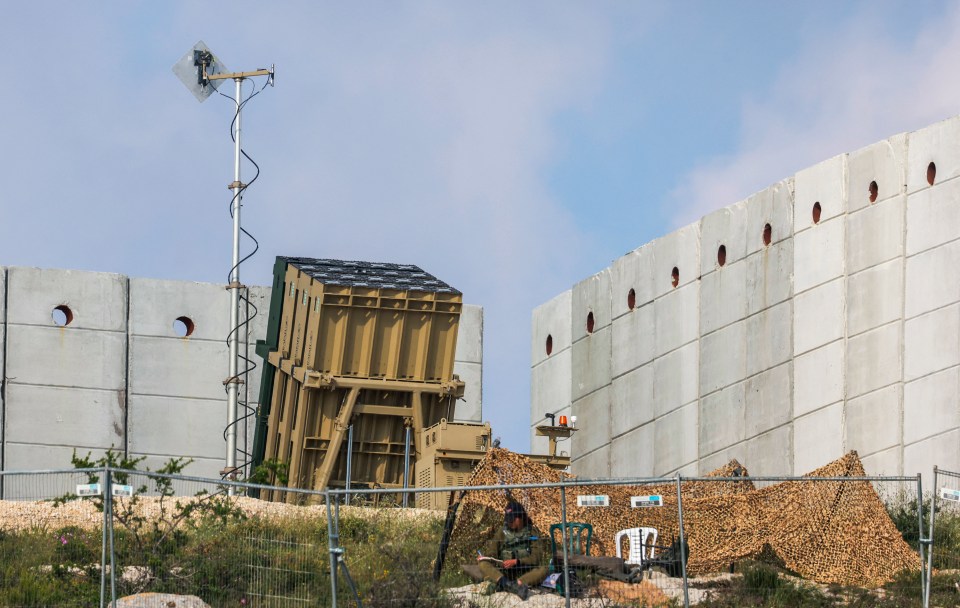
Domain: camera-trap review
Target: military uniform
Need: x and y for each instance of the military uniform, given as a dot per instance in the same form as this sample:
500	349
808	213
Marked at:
524	545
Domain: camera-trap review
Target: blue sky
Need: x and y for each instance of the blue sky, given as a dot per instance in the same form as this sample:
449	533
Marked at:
511	149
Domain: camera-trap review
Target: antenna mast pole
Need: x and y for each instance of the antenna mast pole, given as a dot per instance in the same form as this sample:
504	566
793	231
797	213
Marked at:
233	386
202	73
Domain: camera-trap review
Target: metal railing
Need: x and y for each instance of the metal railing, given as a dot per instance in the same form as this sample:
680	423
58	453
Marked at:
137	531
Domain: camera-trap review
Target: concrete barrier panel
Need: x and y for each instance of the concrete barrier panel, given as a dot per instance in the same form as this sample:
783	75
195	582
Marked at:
631	401
823	183
884	163
723	297
470	335
676	379
873	360
633	271
773	206
57	416
681	250
818	316
931	342
941	450
550	385
770	452
875	297
937	144
552	323
818	378
675	440
819	254
97	300
595	465
930	405
176	426
727	227
632	340
590	301
933	216
631	455
178	367
723	358
928	285
887	462
769	338
817	438
722	418
677	316
767	400
873	421
591	359
769	276
875	234
469	409
593	420
156	305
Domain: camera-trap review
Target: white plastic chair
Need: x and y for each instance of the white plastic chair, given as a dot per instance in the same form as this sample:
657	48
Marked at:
641	544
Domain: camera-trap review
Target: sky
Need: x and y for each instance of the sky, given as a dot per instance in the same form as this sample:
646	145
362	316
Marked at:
509	148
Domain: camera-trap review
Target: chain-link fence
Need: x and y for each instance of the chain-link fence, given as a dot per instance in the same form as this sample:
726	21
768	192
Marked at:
730	540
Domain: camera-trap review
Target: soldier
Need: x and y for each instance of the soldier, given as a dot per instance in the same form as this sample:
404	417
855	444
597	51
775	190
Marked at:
513	559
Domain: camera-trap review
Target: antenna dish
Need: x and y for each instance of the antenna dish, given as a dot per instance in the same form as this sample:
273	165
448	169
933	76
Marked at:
190	70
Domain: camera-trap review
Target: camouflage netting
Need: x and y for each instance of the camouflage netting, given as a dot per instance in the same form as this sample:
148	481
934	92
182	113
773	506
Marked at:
826	531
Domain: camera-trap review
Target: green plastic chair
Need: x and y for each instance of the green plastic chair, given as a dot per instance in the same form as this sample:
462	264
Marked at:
578	538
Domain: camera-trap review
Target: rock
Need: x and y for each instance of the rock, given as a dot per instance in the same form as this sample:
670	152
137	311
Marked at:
160	600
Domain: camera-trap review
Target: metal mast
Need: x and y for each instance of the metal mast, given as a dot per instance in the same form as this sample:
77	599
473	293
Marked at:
202	72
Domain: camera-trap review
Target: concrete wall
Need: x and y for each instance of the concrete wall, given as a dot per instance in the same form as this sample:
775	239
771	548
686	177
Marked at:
119	375
840	333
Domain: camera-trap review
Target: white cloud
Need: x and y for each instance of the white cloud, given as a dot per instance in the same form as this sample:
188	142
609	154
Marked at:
845	89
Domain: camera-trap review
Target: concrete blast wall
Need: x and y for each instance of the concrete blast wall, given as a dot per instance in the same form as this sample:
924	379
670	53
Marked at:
118	375
818	316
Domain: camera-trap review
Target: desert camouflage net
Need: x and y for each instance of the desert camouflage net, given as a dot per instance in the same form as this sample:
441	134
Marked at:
826	531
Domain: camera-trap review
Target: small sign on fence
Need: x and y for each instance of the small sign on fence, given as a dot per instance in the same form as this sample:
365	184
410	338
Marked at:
646	501
950	494
122	491
593	501
89	489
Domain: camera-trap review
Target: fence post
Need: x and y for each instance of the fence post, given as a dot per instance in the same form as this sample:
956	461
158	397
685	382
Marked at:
683	553
103	551
332	542
923	570
108	501
563	540
930	542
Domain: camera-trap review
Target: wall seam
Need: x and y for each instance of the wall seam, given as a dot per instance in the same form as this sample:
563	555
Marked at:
126	373
903	306
3	383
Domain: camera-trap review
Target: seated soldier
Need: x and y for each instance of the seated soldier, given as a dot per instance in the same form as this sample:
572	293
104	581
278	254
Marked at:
513	559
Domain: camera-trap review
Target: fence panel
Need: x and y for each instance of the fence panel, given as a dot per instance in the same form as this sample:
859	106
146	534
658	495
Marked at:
745	540
943	504
51	541
207	538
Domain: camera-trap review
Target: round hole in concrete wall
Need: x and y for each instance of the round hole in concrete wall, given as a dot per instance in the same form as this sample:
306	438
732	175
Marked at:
589	322
931	173
183	326
631	299
874	190
721	255
62	315
675	276
549	344
816	213
767	234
